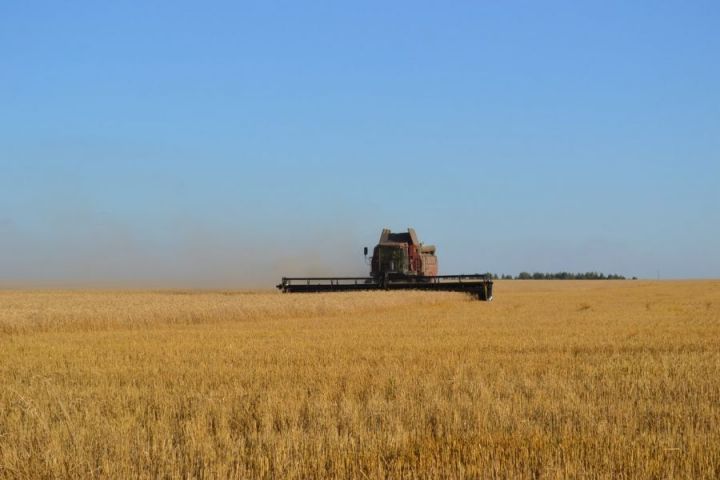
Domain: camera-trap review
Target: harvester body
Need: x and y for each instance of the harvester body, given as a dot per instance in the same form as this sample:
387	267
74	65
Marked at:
399	262
402	253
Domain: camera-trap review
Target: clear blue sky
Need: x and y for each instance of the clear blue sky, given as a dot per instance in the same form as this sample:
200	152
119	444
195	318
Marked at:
226	143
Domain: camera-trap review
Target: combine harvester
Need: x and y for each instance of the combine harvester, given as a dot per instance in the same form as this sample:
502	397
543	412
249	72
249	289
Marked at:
399	262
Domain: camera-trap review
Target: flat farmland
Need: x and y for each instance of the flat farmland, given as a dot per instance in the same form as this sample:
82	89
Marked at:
553	379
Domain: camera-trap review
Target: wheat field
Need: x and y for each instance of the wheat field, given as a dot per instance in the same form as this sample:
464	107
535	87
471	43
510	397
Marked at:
553	379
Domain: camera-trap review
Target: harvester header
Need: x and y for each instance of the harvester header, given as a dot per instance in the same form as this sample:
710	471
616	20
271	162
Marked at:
399	262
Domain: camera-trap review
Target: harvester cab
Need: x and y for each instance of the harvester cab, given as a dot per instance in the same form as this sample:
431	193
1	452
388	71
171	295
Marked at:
402	255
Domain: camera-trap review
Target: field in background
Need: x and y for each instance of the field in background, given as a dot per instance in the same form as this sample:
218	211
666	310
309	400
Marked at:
553	379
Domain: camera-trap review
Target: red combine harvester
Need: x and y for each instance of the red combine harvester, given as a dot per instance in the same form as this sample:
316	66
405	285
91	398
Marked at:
399	262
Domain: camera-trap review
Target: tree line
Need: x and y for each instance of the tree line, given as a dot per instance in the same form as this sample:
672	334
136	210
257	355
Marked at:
557	276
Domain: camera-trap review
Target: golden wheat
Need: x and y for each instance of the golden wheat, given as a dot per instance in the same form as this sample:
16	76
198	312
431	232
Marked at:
553	379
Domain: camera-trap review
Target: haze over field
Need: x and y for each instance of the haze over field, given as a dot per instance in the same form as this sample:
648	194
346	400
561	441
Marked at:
223	145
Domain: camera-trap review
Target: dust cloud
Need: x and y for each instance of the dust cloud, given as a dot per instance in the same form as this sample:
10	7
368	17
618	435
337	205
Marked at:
101	252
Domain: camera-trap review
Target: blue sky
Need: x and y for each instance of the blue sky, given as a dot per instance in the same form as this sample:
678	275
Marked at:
227	143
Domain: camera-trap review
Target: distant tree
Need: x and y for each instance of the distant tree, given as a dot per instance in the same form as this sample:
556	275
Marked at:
569	276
